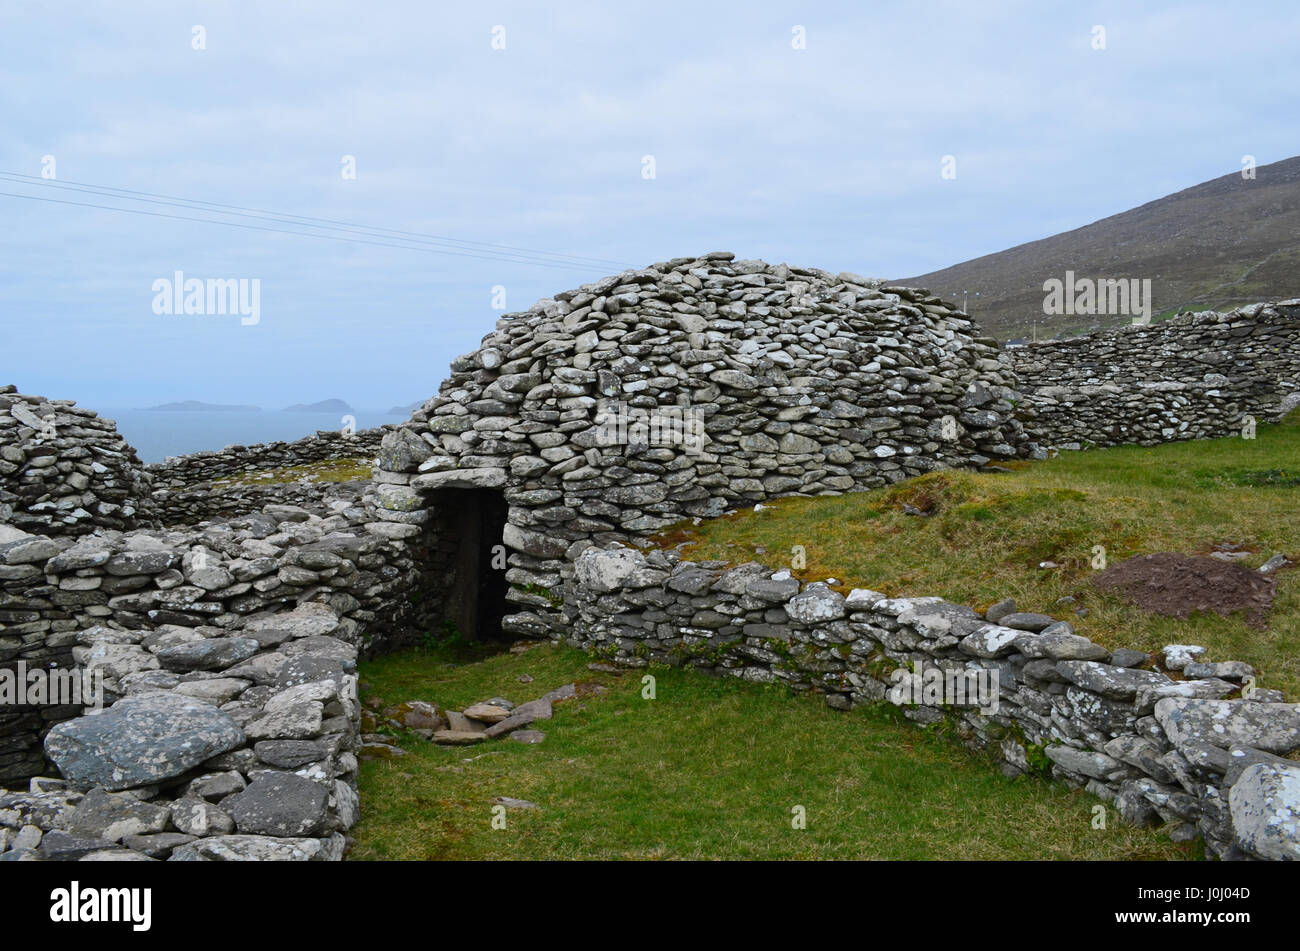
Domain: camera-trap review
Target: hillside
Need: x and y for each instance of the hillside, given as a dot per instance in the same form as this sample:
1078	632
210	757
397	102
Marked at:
324	406
1216	245
197	406
1031	534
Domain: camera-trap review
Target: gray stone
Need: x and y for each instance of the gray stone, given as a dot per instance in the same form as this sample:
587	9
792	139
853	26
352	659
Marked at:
1272	727
293	722
157	846
60	846
1265	806
214	653
280	804
817	604
1115	683
290	754
250	848
1178	656
141	740
112	816
197	817
997	612
1027	622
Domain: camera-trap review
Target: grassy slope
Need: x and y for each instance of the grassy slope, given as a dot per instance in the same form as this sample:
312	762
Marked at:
1216	245
991	530
710	768
329	470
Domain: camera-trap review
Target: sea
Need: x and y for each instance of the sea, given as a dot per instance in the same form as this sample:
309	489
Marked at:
157	434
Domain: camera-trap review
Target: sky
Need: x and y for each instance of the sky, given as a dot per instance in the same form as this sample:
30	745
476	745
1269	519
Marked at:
612	134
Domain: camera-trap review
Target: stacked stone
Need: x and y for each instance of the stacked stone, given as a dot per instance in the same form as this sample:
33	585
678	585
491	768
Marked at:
808	383
198	468
219	744
1196	376
66	471
381	577
207	503
1159	749
184	493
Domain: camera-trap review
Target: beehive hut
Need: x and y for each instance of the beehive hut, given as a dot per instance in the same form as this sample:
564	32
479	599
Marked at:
687	388
65	470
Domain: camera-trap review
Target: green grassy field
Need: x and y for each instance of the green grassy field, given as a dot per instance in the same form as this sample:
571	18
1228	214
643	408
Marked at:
987	533
709	769
328	470
712	768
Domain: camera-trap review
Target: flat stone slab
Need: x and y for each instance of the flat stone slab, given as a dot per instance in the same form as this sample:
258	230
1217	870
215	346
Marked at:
606	571
458	737
521	716
282	804
1114	683
249	848
815	605
990	640
1265	807
486	713
141	740
212	653
1272	727
1061	646
1023	621
112	816
511	803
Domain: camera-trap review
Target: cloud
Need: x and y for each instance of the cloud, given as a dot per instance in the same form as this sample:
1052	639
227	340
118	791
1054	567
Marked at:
827	156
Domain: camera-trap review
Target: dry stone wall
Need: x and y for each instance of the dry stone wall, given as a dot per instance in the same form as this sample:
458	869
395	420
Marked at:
65	470
1196	376
184	492
237	636
380	576
1170	741
184	472
217	744
805	382
207	502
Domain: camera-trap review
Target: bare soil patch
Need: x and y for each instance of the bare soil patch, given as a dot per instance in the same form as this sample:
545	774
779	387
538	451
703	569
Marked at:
1177	585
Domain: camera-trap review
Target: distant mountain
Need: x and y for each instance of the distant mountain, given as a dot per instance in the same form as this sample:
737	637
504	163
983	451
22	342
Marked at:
1225	242
324	406
194	406
405	410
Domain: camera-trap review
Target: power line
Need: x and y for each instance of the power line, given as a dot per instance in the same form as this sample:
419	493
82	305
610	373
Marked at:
308	234
270	216
334	224
405	239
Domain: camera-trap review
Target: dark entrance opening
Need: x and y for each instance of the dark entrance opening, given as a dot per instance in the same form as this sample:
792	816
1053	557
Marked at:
475	520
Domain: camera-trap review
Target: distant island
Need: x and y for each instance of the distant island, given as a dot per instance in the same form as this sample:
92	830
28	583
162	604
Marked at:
405	410
193	406
324	406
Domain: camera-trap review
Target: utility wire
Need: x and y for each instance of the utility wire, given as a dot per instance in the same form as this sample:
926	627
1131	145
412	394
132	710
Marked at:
509	253
308	234
270	216
109	191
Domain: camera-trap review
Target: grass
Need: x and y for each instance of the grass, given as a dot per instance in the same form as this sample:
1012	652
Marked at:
709	769
329	470
987	533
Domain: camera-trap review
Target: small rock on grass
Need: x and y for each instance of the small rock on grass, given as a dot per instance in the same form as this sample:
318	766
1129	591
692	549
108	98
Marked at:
511	803
486	712
530	737
1273	564
458	737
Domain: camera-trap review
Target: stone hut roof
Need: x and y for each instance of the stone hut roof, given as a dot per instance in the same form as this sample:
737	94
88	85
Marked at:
65	470
801	382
